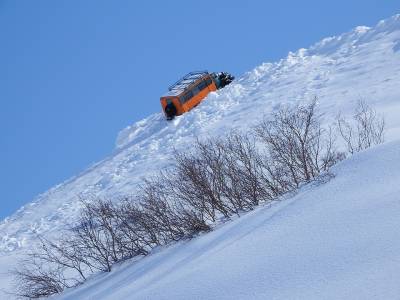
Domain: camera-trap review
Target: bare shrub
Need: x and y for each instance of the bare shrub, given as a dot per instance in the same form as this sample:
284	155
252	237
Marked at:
215	178
158	211
246	174
171	217
106	233
199	180
138	236
51	267
297	145
192	221
35	278
365	130
98	234
66	254
222	177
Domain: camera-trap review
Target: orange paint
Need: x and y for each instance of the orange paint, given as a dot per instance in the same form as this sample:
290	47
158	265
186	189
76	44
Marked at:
183	101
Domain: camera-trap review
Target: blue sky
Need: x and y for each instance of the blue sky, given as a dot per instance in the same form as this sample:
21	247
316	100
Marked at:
75	72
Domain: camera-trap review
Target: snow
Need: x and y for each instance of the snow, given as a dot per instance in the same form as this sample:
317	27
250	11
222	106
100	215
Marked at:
339	240
330	241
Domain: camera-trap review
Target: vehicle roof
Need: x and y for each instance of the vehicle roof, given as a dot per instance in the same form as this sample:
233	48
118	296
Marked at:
182	84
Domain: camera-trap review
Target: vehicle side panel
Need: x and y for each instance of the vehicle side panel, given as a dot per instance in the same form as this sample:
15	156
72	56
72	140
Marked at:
192	101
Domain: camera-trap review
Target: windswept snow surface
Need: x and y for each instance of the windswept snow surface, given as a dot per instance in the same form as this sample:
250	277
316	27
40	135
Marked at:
339	240
363	63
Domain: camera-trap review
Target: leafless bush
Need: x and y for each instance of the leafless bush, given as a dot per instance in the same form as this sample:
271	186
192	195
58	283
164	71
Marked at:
37	284
298	147
222	177
366	129
248	183
51	268
35	278
97	234
105	234
170	218
199	181
138	236
209	179
68	255
158	211
192	221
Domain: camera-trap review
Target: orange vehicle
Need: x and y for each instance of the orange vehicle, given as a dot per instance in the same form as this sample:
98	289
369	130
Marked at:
190	90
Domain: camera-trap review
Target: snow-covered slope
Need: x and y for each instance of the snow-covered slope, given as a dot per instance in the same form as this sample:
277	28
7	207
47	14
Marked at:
339	240
364	63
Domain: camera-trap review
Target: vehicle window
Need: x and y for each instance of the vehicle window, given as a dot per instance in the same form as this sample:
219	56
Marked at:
208	82
195	90
188	96
202	85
